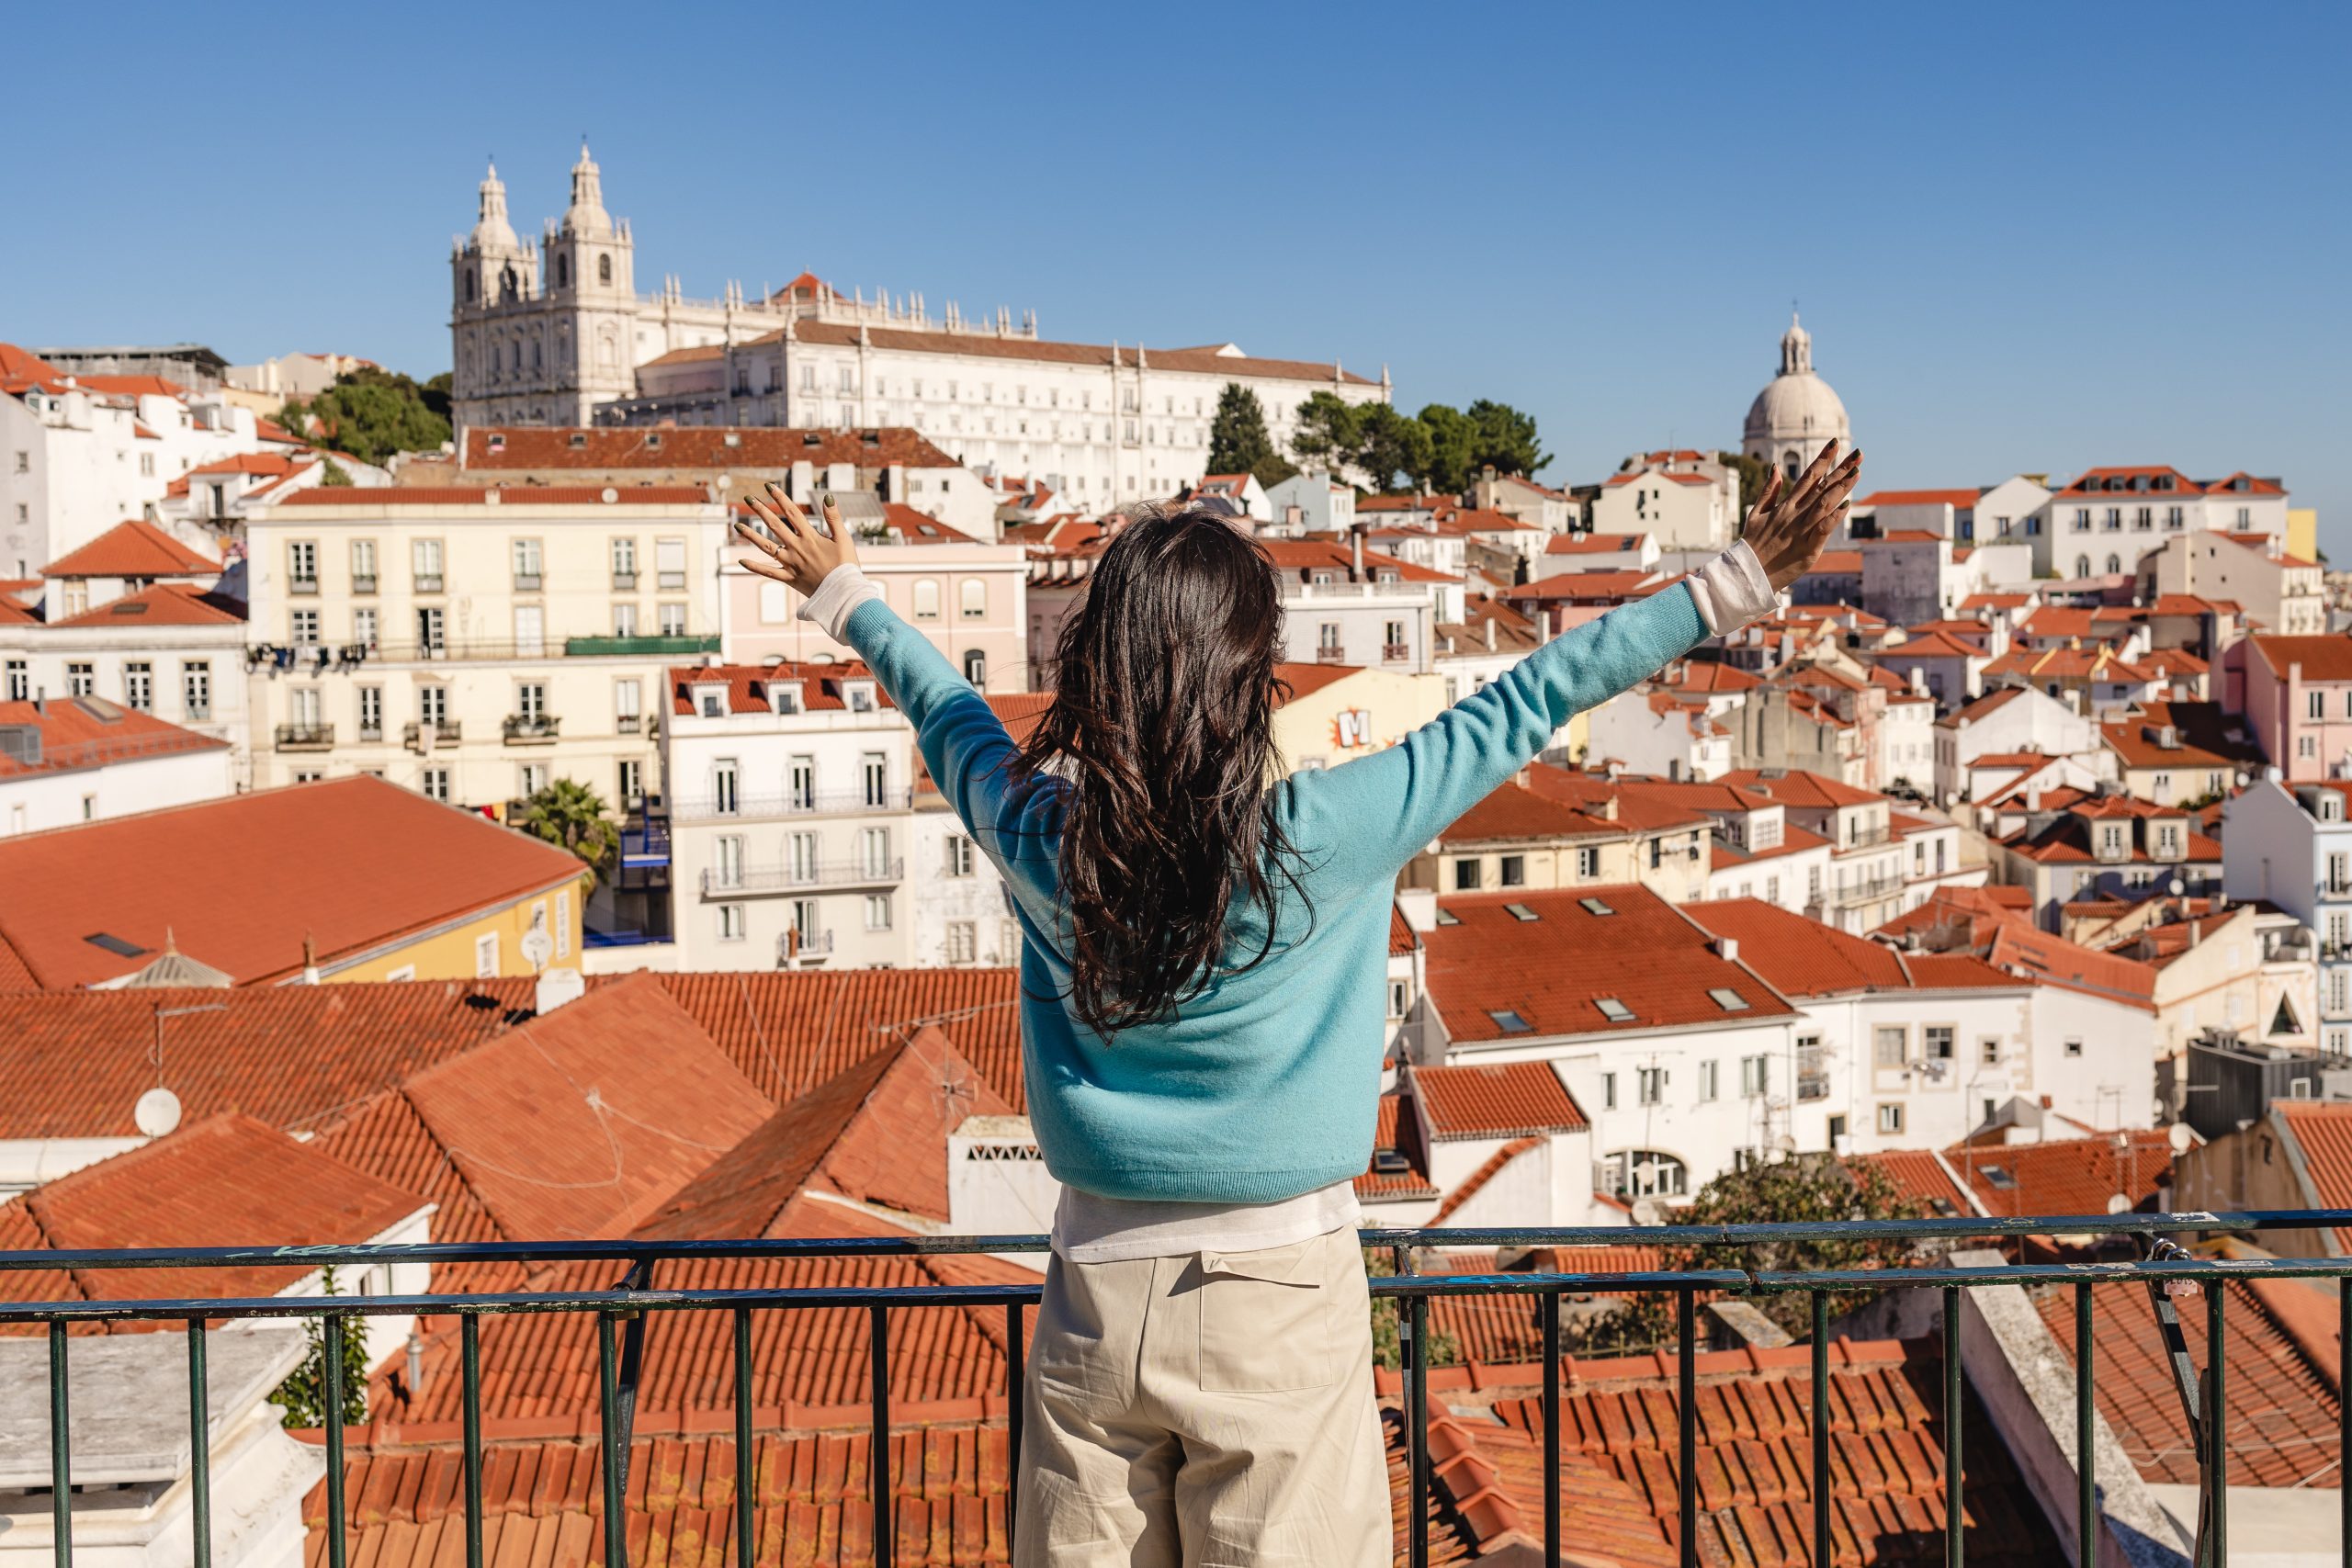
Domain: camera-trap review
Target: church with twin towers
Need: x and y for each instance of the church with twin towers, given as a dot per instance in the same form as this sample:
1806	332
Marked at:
554	331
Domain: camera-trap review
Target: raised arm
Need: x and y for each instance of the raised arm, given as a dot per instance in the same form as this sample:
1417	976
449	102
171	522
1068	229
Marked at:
1371	817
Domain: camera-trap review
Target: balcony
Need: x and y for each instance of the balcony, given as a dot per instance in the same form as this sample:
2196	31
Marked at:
1870	892
1330	656
2015	1508
757	881
444	733
802	802
302	585
526	583
428	582
624	582
660	646
530	729
1396	652
306	738
369	731
799	946
363	582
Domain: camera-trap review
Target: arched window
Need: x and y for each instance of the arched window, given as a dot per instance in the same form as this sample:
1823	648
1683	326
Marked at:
534	354
1646	1173
604	269
1789	466
562	271
926	598
2114	564
2082	566
975	668
469	288
972	599
506	284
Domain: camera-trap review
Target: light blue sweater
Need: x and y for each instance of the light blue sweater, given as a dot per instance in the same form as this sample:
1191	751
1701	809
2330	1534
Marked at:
1263	1087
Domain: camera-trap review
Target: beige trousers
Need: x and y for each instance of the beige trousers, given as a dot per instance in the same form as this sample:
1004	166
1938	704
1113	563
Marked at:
1209	1410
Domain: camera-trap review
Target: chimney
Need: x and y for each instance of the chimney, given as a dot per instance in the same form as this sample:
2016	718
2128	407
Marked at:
803	481
1355	538
310	960
1490	633
416	1364
1728	949
556	987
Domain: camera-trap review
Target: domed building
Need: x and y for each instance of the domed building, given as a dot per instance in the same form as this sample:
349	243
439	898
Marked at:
1796	412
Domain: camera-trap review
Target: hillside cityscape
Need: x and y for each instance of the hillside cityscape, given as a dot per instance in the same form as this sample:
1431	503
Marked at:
418	825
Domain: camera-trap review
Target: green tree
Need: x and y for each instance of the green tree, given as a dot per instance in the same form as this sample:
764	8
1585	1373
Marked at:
1800	1189
370	413
1505	437
335	474
573	817
1327	434
435	394
1387	1339
1238	440
1389	443
1753	472
1453	439
303	1394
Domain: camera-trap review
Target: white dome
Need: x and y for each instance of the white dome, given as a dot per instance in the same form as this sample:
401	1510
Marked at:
1792	408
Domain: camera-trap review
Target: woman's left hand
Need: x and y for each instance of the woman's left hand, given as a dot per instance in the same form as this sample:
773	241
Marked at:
792	551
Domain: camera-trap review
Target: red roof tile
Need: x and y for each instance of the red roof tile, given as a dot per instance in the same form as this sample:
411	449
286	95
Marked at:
2070	1176
1552	971
747	685
1515	812
2321	658
1961	500
163	605
373	497
348	863
1307	556
1922	1177
1487	1100
90	732
2323	1132
132	548
2051	960
1797	787
1210	361
1806	958
494	449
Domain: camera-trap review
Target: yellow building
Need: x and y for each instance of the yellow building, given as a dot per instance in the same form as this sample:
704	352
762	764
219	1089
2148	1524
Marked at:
2302	532
346	879
1338	712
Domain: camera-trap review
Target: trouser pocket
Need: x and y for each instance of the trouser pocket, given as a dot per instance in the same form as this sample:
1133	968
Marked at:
1266	1318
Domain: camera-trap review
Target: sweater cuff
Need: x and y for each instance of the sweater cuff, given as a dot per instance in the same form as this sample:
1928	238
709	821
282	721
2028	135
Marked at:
844	589
1731	590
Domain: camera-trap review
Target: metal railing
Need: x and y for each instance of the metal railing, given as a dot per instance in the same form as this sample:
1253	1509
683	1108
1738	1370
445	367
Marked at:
717	883
622	1311
305	737
523	728
446	732
803	803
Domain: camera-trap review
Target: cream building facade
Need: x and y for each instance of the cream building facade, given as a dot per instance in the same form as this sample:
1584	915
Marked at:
472	644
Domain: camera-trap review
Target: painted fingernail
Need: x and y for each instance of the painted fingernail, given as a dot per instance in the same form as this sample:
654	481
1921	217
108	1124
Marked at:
826	498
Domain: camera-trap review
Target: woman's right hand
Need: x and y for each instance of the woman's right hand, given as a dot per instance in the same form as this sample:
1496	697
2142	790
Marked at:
1788	531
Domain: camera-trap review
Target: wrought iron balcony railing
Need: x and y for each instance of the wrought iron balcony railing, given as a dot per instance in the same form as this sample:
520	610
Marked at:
621	1313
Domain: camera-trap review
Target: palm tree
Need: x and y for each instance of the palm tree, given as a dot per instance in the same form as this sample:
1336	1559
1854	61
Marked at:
573	817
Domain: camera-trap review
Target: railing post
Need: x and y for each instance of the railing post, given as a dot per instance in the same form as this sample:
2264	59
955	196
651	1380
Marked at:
2085	1428
1413	1327
1687	1424
199	1449
1821	1544
1551	1428
61	1449
331	1343
607	1432
2344	1406
2217	1418
745	1546
1955	1474
640	1276
1016	1386
470	1356
885	1530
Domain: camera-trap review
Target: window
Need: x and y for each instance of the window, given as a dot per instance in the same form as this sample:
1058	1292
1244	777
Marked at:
726	794
1465	874
425	557
804	924
963	942
486	956
1890	1045
1513	871
434	785
1940	1041
800	856
874	850
363	628
669	564
961	856
527	565
672	619
81	680
371	713
604	269
430	643
632	778
975	668
1589	861
972	599
1755	1076
876	770
196	688
800	785
726	865
1614	1010
1988	1050
139	686
1890	1119
530	631
926	599
1650	1084
2315	704
1707	1072
433	706
1609	1091
627	697
305	629
18	687
731	923
1729	999
302	565
624	563
877	911
529	779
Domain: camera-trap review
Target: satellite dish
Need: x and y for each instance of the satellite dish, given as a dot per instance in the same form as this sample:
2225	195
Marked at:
2175	887
2117	1203
1648	1212
539	947
157	1112
2180	1136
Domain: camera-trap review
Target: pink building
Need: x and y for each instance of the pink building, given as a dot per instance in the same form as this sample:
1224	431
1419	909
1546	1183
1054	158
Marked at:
2297	693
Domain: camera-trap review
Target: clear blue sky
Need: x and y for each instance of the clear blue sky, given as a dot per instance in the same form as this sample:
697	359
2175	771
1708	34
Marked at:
2026	238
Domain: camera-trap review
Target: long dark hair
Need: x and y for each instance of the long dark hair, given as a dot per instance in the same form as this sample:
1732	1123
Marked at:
1161	728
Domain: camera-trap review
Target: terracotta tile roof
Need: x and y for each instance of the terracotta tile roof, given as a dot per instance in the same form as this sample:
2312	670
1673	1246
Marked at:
490	449
2323	1132
1595	544
1794	786
1641	806
876	1132
1306	680
621	1099
2202	731
20	370
1305	556
2051	960
2321	658
1804	958
269	465
747	685
224	1181
2075	664
1619	1491
2069	1176
1921	1177
1584	586
1835	563
1961	500
543	1501
1995	600
1197	361
165	605
90	732
1483	1100
1936	644
133	547
1551	973
2280	1410
372	498
1376	1185
316	863
1706	675
1401	936
1515	812
2093	480
907	526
